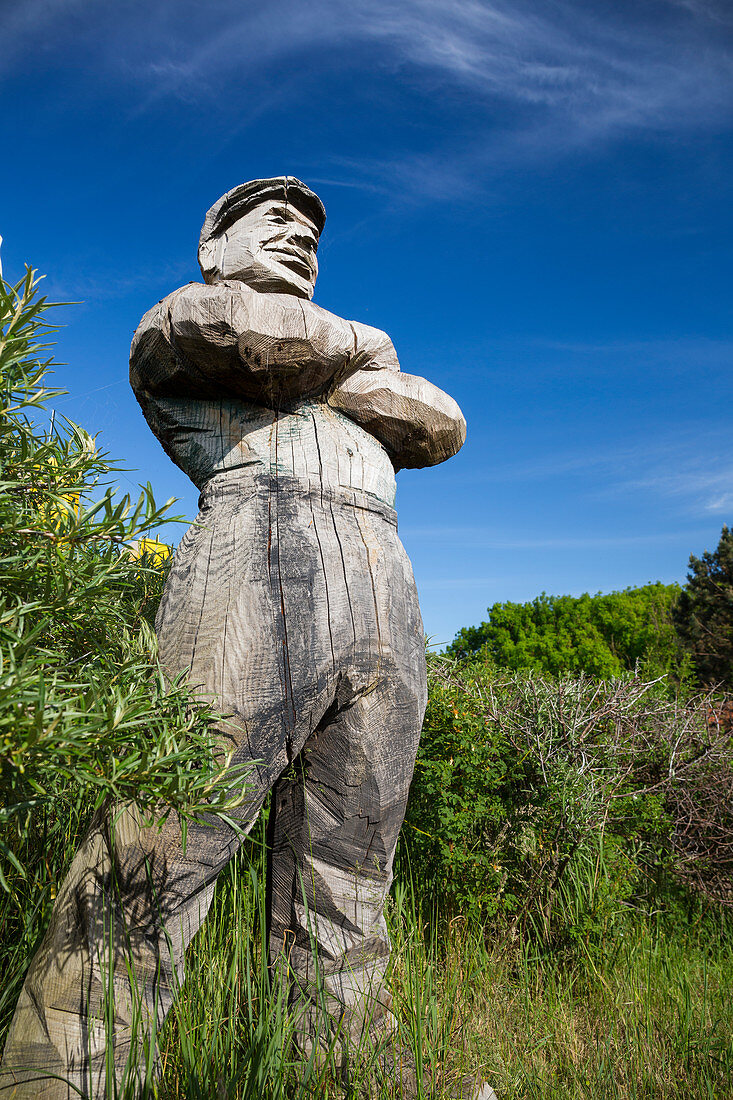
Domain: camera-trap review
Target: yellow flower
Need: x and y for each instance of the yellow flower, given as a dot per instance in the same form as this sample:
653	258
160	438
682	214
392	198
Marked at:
153	549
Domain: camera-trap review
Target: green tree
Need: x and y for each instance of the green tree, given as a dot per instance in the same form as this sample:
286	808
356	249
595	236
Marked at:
601	635
704	612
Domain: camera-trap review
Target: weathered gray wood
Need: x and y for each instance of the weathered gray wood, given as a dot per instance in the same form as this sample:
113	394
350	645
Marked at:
275	351
417	423
291	604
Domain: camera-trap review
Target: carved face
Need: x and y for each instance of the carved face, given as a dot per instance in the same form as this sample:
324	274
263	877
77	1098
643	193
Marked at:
271	248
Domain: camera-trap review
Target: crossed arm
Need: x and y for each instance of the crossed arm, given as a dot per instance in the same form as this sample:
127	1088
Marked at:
210	341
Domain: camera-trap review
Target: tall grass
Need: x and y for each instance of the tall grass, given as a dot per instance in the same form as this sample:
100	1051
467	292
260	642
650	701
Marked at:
648	1017
231	1031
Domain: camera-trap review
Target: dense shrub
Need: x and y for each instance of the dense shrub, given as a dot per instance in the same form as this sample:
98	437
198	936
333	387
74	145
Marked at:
555	803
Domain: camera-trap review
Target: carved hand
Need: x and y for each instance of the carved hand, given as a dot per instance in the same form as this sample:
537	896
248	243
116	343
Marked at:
417	423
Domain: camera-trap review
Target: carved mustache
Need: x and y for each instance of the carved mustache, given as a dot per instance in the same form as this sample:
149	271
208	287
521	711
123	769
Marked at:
292	251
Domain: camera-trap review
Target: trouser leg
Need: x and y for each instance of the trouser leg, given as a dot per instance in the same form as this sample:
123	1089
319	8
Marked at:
109	966
337	816
339	581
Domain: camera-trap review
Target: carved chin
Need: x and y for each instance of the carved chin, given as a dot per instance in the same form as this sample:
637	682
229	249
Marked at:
272	275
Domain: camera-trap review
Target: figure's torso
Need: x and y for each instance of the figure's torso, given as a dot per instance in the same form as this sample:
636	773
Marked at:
309	440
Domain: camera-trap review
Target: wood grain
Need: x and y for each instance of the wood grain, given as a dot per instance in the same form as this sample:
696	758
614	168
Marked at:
291	605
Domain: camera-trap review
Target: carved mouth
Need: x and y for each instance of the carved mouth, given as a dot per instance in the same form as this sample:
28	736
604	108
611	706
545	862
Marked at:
293	259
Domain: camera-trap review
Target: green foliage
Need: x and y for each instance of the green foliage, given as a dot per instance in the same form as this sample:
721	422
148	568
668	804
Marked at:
601	635
457	800
86	717
648	1016
553	805
704	613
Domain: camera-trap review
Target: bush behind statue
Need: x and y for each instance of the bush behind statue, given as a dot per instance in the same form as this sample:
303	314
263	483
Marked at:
555	805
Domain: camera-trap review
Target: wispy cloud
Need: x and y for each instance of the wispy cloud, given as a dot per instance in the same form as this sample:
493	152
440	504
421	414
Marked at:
20	23
602	71
664	459
68	284
690	467
718	12
705	485
688	351
569	73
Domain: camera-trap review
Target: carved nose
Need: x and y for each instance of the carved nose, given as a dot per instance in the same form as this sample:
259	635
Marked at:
303	240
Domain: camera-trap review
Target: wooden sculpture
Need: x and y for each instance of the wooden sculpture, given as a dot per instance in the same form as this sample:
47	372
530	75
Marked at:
291	603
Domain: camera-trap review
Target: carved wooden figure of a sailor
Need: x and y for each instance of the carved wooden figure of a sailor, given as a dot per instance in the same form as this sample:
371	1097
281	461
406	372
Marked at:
291	604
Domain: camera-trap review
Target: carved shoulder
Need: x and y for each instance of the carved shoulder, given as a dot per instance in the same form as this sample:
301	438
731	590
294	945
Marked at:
226	338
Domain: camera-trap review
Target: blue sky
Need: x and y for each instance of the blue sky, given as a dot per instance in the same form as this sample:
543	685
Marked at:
532	197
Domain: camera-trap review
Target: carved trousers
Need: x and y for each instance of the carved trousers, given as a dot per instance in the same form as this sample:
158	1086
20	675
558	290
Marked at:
294	608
